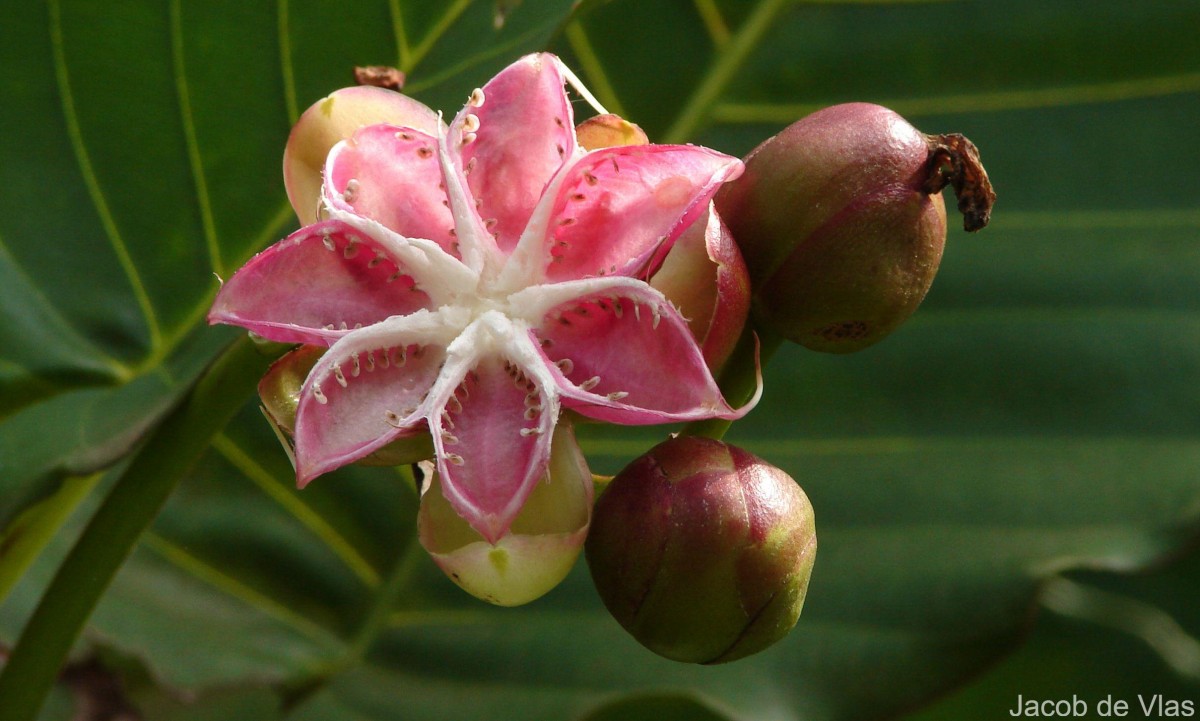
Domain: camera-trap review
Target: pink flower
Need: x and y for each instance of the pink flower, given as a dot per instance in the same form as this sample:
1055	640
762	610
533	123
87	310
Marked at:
477	280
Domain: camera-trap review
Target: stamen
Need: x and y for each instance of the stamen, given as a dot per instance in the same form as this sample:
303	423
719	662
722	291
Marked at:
476	99
448	437
468	138
446	419
370	361
351	249
527	432
351	191
470	123
579	87
637	311
657	318
376	260
392	419
394	276
404	136
328	241
401	358
618	309
454	459
590	383
591	179
566	365
616	395
425	151
469	166
316	392
341	377
356	366
454	405
532	412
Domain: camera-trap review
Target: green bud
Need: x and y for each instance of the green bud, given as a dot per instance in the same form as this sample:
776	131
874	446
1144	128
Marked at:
540	547
702	551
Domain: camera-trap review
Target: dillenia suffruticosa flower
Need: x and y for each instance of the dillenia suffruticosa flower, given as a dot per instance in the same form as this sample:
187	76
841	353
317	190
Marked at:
468	282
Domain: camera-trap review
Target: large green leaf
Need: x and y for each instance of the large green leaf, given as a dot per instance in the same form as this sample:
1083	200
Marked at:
1040	414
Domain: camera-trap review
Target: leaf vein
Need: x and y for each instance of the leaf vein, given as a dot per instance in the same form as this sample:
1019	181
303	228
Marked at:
729	60
197	568
403	50
188	121
593	68
83	159
987	102
435	33
286	68
33	293
714	23
300	510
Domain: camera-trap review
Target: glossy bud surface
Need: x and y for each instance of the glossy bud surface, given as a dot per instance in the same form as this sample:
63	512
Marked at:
702	551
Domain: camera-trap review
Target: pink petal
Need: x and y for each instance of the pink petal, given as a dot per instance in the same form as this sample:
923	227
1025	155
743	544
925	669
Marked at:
619	209
525	132
333	119
705	277
492	436
314	285
625	355
364	393
391	174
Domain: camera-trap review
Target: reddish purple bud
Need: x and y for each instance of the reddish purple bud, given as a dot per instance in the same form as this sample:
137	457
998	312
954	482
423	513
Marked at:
842	224
702	551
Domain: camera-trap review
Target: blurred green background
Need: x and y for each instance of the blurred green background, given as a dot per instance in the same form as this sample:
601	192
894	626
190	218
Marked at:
1007	490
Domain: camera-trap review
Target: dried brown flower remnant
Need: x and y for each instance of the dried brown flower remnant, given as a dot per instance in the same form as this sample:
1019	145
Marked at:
380	76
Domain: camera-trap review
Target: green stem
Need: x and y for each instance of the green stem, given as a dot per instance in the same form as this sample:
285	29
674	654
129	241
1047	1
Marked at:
695	112
113	531
739	378
378	618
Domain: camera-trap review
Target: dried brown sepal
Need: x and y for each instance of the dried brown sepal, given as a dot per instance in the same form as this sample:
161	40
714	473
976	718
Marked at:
380	76
954	161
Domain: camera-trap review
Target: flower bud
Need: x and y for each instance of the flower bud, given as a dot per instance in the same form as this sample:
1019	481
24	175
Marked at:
333	119
608	131
541	545
702	551
842	224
